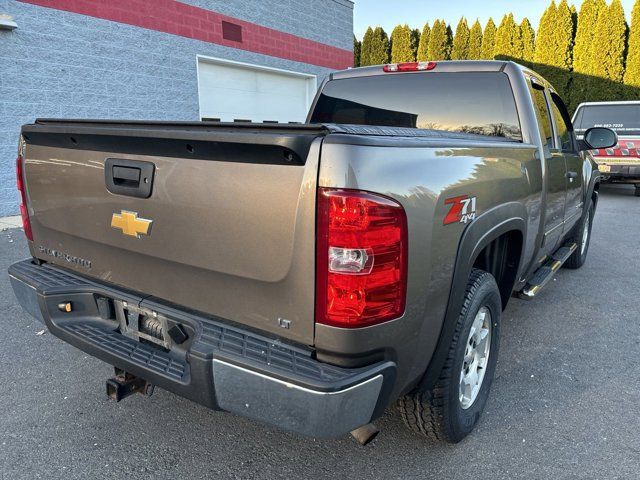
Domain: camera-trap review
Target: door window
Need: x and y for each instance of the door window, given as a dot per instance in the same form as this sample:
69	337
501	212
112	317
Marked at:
564	134
542	112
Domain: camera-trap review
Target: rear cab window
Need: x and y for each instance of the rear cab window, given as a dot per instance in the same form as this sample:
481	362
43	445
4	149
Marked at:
624	119
480	103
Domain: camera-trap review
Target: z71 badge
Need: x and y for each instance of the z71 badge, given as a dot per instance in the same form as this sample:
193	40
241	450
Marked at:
463	209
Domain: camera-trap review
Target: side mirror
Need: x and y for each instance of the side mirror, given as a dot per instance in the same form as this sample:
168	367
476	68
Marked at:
597	138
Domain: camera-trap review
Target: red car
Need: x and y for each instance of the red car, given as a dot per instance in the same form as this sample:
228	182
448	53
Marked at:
620	164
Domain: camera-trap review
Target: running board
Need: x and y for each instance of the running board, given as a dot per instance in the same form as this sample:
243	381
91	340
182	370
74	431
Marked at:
545	273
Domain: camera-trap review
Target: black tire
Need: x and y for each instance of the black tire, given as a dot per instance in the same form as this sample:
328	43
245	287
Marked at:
438	413
577	258
637	191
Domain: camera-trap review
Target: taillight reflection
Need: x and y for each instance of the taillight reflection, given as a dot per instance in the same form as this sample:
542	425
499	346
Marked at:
24	213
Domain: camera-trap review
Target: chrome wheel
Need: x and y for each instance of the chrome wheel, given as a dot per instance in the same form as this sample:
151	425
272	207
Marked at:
476	358
585	236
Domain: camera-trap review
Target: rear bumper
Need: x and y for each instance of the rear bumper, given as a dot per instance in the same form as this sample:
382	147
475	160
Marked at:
221	366
620	173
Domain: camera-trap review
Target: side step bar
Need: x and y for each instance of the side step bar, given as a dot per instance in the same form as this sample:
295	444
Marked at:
547	271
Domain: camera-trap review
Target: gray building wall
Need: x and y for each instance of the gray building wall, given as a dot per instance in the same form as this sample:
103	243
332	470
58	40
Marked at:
325	21
66	65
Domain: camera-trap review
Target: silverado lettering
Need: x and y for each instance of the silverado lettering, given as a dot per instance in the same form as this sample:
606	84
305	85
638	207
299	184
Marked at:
65	256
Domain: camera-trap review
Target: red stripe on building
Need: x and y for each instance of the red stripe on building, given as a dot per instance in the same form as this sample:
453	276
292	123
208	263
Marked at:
176	18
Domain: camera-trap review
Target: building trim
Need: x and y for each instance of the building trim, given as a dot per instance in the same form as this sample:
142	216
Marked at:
177	18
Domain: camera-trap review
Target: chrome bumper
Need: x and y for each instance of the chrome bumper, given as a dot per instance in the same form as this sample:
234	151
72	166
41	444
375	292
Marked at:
292	407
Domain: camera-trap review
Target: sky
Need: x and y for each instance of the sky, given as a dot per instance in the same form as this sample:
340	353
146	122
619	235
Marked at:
389	13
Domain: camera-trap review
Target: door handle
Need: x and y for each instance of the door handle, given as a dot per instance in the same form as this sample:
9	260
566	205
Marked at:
132	178
571	175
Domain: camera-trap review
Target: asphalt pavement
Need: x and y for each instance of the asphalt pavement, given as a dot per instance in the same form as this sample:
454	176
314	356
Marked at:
564	403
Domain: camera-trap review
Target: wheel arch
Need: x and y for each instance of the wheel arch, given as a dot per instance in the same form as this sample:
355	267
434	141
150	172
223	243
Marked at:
595	192
502	258
593	189
506	219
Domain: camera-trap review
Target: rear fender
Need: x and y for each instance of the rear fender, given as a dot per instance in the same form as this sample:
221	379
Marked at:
484	230
592	191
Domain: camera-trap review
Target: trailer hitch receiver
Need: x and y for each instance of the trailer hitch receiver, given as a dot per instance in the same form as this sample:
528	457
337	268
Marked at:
124	384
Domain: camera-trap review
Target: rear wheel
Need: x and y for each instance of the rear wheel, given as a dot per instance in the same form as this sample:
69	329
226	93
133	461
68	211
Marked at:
637	192
450	410
582	237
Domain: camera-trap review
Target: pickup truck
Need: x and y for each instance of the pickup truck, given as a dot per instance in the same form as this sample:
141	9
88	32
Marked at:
309	276
620	163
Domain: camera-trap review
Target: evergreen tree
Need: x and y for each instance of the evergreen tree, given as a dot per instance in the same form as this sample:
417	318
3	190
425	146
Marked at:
365	48
508	39
357	46
401	50
555	37
475	41
610	41
584	48
632	75
565	34
544	46
415	41
439	41
460	50
423	47
488	40
379	53
528	37
554	47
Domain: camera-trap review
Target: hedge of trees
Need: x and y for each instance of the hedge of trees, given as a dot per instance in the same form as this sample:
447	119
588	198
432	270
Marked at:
588	55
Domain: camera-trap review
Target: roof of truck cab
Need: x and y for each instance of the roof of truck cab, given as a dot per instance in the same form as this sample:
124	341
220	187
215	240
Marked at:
442	66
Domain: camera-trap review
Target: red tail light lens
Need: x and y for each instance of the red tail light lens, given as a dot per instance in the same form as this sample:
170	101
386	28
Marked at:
361	258
26	222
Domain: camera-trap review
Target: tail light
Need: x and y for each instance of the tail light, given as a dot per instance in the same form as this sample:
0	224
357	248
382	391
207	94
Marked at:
26	222
409	67
361	258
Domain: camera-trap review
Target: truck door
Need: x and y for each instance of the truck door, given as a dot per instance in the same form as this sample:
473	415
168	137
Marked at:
555	165
565	142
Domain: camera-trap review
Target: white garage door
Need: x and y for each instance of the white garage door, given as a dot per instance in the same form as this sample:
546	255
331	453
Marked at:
234	91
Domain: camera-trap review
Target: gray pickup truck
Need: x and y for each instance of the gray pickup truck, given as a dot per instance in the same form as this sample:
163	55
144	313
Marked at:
309	276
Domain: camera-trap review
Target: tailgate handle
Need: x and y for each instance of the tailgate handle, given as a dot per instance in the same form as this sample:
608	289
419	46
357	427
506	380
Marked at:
132	178
126	176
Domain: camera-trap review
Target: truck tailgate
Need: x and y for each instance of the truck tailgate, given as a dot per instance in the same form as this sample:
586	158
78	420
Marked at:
228	227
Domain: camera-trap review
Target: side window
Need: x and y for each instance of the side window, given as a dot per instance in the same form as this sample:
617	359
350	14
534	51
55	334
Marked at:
542	112
564	137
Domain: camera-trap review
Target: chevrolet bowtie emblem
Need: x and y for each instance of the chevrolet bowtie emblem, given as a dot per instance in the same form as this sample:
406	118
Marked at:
130	224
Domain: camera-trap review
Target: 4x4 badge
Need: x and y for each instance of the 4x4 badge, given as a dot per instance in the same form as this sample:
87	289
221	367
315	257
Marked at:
463	209
130	224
